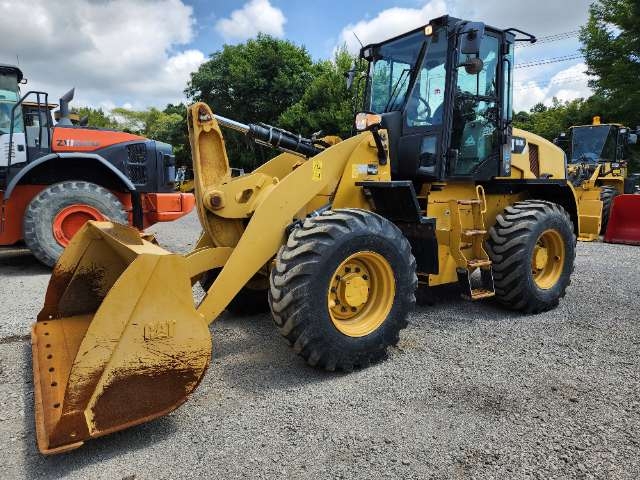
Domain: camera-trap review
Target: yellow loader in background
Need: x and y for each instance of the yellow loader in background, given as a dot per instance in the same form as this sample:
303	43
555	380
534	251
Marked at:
436	188
598	167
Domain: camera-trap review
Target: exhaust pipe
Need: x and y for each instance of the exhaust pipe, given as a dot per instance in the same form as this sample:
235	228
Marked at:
64	108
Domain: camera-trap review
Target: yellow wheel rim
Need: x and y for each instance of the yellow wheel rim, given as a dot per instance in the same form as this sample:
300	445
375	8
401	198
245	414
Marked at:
361	294
547	261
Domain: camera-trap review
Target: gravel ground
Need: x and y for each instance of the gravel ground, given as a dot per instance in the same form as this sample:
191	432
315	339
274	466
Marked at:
471	391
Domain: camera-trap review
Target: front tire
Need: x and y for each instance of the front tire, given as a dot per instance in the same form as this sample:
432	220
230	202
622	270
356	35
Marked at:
342	288
59	211
532	249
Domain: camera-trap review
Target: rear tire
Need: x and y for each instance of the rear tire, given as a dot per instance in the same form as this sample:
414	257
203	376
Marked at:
607	194
344	258
44	208
532	248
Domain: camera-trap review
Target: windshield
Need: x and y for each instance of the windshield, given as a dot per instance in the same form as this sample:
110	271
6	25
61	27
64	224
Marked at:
9	95
592	143
391	71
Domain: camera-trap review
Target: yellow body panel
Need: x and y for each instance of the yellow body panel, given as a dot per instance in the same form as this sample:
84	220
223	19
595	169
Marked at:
550	158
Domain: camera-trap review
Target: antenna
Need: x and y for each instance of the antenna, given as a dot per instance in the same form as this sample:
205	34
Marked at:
354	34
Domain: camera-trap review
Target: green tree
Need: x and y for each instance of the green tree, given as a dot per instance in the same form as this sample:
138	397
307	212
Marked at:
252	82
611	47
327	103
96	117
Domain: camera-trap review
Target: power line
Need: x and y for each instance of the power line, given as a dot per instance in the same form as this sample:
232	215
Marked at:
546	61
556	37
550	83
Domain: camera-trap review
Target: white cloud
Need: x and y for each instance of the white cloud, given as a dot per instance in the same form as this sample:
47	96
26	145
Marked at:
389	23
117	51
565	85
254	17
542	17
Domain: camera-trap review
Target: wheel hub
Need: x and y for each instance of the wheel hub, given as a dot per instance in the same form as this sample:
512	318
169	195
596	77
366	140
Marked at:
361	293
71	219
547	261
540	257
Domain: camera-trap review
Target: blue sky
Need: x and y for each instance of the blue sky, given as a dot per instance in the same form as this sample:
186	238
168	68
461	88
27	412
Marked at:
139	53
316	25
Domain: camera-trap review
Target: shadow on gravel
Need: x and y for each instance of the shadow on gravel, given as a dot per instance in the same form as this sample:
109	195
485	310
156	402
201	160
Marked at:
93	451
18	261
254	357
446	299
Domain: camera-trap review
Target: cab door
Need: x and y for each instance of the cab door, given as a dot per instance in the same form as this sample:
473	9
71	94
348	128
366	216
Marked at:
477	123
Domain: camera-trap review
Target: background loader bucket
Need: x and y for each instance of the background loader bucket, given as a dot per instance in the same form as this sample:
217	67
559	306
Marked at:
118	341
624	220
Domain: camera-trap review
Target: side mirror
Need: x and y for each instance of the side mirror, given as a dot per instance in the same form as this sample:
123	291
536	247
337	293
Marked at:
633	138
472	34
473	65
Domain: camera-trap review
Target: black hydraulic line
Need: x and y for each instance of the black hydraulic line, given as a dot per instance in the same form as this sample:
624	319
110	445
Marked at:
273	136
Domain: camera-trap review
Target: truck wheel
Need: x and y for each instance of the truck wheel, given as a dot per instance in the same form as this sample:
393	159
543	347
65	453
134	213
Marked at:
251	300
342	288
60	210
607	195
532	248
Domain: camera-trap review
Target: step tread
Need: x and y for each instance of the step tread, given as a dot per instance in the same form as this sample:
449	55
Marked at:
470	232
478	293
478	262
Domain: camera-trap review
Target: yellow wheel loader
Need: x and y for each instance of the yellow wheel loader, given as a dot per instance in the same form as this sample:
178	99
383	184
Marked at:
436	188
598	165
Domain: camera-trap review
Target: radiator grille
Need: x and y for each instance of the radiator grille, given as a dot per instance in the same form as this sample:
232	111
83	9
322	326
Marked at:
137	163
534	162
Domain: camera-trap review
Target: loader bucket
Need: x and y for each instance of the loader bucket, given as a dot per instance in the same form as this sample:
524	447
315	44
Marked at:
118	341
624	220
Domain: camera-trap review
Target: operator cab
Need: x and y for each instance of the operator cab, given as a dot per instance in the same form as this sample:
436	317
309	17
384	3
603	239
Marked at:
10	79
596	143
443	92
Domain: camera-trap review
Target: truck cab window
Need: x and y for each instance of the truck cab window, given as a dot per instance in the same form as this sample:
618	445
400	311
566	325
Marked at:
425	105
475	117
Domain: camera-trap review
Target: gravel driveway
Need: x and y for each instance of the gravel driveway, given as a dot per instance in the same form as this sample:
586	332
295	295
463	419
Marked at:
471	391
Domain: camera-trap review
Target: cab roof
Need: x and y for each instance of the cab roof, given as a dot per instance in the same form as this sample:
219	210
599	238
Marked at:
5	68
439	21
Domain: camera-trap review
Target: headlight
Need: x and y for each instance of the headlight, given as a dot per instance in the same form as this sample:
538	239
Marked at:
365	121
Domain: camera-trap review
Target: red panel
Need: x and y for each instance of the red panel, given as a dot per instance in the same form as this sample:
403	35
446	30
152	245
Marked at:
157	207
160	207
87	139
624	222
14	212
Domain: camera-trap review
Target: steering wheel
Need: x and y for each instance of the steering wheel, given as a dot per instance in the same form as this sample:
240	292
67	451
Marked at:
427	109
